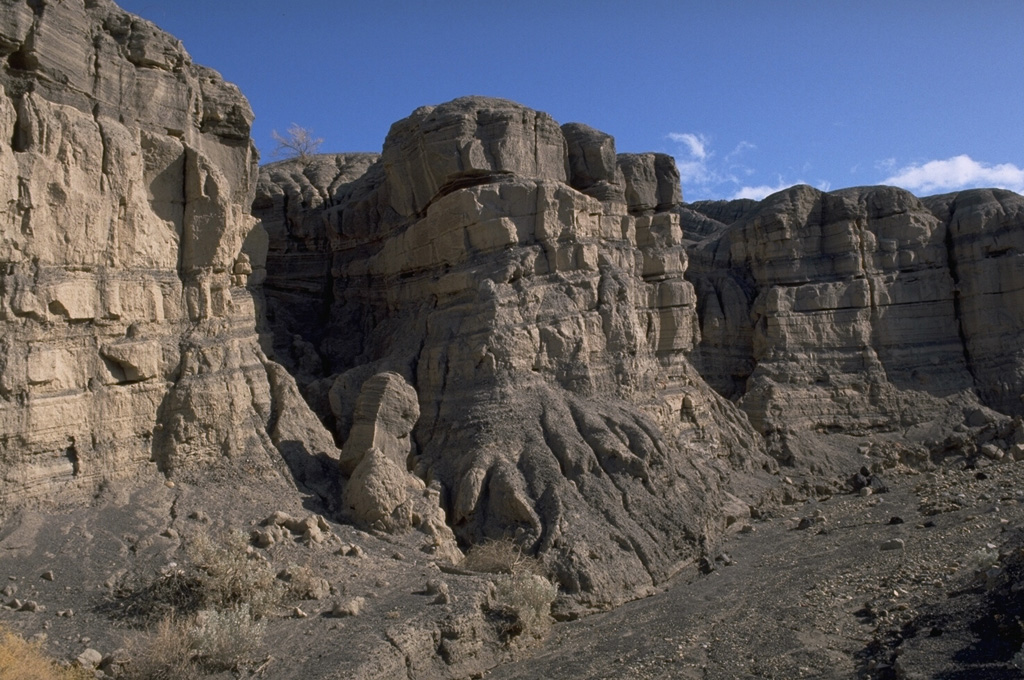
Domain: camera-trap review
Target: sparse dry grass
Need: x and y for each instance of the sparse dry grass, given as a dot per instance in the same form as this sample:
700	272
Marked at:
23	660
183	649
162	653
503	556
230	574
224	639
523	601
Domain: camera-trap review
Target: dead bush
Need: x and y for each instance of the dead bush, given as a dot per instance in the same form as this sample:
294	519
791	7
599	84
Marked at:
302	583
23	660
210	641
224	639
163	653
502	556
523	603
231	574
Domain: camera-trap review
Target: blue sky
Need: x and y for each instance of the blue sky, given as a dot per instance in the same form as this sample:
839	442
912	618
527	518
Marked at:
749	96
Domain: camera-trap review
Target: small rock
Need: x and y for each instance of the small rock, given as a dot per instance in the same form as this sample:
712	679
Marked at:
808	522
277	518
895	520
47	576
893	544
747	529
262	539
705	565
89	659
440	590
865	491
312	535
169	484
31	606
9	590
298	613
350	550
991	451
66	613
199	516
170	532
351	608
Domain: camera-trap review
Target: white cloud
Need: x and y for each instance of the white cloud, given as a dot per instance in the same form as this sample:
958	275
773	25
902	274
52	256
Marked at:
959	172
740	148
760	191
696	143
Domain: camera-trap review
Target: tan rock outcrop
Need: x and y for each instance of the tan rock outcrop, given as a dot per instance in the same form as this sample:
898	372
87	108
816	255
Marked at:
128	335
544	329
862	309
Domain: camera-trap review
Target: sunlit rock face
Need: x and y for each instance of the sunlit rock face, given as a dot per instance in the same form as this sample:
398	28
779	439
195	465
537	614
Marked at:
528	283
128	335
863	309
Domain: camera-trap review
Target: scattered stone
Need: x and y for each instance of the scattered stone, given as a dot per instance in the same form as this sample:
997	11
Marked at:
170	532
440	590
31	606
89	659
47	576
895	520
297	613
9	590
277	518
350	550
808	522
351	608
893	544
199	516
169	484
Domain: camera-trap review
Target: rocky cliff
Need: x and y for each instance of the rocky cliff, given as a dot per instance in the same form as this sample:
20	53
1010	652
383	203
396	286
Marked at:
528	283
501	328
127	334
860	311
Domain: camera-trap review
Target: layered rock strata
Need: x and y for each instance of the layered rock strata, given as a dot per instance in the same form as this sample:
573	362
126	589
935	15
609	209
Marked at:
527	282
863	309
128	336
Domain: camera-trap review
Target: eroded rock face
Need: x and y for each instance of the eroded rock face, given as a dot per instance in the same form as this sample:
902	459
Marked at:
128	335
862	309
545	332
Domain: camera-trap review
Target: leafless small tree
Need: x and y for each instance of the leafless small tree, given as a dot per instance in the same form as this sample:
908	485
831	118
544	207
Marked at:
297	142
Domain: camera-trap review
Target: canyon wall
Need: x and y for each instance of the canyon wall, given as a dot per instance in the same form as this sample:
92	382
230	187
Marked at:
861	310
528	283
127	334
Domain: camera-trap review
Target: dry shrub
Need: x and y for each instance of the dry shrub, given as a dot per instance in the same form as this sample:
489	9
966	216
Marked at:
230	574
222	574
523	602
224	639
503	556
303	583
23	660
210	641
162	653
